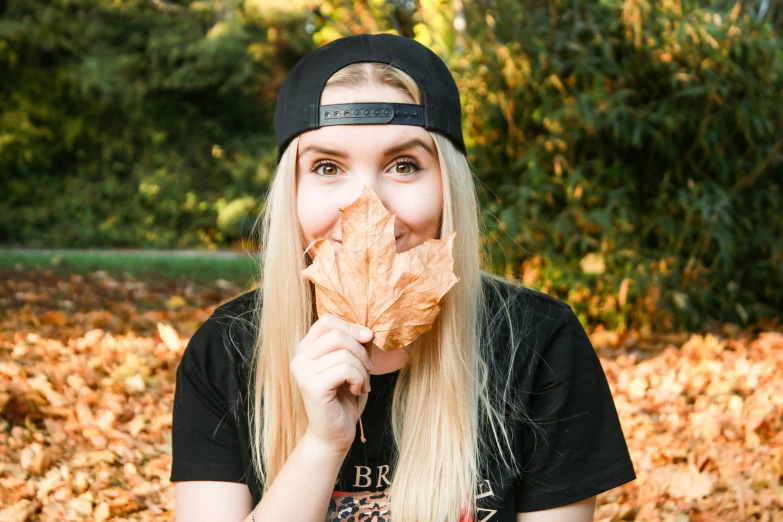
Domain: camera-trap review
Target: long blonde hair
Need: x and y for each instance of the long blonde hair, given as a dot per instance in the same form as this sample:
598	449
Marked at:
451	390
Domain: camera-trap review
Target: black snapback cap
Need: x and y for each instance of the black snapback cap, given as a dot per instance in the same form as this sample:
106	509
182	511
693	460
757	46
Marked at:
298	110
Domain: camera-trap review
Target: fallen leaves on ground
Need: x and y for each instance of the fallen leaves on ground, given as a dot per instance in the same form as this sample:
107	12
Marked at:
703	418
87	373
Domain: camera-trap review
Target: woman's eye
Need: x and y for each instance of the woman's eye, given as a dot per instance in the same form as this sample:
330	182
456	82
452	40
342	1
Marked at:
406	167
329	169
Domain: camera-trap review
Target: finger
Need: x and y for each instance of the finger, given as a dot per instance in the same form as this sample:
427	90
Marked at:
329	322
341	356
336	340
336	376
336	359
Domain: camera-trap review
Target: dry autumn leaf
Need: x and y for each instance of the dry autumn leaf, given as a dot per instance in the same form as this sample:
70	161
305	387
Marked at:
396	295
169	337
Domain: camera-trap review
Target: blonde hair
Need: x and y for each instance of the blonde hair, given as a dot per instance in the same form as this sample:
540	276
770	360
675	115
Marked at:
452	390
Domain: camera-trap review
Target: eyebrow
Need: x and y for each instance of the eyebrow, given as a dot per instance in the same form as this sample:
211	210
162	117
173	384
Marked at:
388	152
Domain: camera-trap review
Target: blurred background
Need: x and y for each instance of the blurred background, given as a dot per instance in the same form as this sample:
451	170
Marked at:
629	161
629	153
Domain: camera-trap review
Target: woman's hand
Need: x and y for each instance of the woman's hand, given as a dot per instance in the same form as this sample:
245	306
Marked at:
331	369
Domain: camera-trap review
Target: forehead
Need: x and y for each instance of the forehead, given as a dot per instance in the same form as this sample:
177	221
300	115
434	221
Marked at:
363	139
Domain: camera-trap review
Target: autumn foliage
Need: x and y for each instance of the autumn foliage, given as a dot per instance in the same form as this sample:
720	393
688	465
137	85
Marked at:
87	374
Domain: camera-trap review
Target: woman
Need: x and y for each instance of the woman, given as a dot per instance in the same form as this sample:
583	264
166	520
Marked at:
501	412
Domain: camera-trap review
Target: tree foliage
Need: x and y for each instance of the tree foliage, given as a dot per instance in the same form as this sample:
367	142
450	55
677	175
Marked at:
628	153
641	154
127	123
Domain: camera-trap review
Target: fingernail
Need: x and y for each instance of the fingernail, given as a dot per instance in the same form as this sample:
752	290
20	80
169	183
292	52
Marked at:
366	333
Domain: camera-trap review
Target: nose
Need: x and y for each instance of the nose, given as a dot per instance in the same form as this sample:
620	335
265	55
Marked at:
353	189
374	182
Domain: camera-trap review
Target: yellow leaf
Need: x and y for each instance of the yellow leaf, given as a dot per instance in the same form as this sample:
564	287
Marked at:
169	337
593	264
90	458
174	302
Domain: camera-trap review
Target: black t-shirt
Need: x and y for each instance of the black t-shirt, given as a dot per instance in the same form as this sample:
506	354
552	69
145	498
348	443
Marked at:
575	449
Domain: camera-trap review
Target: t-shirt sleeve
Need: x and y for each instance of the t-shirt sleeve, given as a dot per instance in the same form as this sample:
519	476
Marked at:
205	438
576	449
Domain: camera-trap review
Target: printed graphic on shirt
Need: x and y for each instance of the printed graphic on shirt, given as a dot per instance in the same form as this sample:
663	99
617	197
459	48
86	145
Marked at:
484	493
372	506
362	506
367	477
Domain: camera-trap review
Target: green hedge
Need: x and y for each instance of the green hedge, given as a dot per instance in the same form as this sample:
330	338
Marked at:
628	153
636	151
128	123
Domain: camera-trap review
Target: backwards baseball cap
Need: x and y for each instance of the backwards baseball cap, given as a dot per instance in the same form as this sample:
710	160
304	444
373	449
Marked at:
298	107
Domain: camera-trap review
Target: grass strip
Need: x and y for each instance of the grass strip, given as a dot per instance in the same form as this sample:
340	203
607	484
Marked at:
199	266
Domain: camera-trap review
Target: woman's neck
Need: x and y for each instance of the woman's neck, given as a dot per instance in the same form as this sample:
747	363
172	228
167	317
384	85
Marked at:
387	362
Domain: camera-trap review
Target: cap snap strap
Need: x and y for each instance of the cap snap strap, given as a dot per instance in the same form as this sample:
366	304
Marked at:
369	113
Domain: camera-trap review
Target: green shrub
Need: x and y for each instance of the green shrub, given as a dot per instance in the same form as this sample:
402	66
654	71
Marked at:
124	124
628	153
645	133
